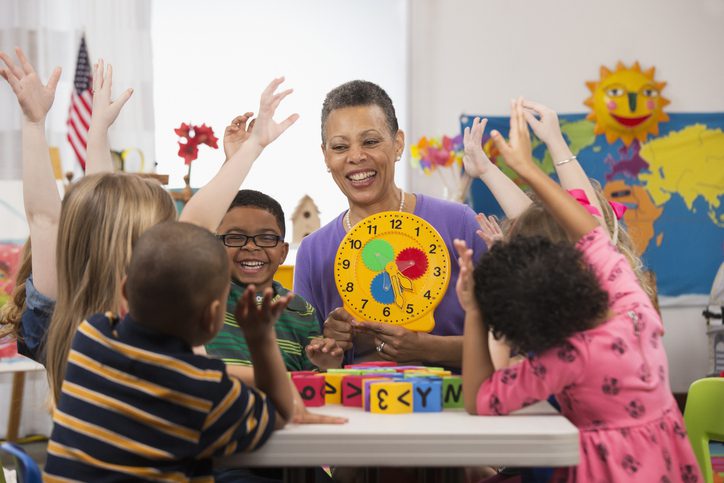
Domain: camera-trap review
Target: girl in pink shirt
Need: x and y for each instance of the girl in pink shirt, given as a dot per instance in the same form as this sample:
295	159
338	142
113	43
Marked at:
594	333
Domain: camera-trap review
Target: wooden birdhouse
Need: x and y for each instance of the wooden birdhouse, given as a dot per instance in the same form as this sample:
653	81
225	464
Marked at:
305	219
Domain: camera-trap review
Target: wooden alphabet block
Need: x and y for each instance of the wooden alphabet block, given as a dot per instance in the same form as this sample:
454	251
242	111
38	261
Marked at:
361	365
427	395
366	390
391	397
311	388
303	373
452	392
352	390
333	388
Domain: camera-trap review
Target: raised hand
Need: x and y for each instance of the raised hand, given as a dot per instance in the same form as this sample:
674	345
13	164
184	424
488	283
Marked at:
105	111
543	120
490	230
465	286
324	353
237	133
475	160
266	129
35	99
257	321
517	151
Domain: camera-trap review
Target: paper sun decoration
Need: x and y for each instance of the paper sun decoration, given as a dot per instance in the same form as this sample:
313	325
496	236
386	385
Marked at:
627	103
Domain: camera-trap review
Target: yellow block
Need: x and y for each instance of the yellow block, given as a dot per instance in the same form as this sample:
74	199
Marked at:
391	397
333	388
285	276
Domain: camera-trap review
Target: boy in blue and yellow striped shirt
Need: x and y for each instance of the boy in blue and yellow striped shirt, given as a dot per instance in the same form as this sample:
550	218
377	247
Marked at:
136	402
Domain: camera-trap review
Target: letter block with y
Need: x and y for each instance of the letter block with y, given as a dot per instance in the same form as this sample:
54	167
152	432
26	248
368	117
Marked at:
427	395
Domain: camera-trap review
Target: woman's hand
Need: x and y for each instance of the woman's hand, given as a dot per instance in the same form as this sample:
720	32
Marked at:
266	130
338	326
237	133
465	286
475	160
516	151
490	230
324	353
105	111
394	343
35	99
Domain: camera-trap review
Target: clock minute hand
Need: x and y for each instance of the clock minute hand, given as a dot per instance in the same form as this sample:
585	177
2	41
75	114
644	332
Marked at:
400	283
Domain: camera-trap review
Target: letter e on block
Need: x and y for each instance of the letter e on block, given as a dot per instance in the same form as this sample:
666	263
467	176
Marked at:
391	397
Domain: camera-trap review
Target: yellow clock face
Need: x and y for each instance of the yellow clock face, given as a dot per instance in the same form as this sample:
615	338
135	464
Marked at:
393	267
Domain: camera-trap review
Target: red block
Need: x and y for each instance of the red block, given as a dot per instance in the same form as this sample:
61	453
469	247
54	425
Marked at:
311	388
352	389
303	373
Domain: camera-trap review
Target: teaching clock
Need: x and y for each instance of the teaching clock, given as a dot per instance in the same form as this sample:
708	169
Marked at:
393	267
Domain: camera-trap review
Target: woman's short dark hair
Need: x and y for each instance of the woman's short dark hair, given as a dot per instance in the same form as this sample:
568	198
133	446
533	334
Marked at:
359	93
536	293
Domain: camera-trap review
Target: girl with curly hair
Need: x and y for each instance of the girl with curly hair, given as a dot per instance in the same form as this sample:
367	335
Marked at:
594	333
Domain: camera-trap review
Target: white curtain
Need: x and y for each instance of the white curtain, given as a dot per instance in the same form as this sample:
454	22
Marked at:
49	31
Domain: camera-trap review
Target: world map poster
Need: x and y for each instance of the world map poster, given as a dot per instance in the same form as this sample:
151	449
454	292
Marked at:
672	183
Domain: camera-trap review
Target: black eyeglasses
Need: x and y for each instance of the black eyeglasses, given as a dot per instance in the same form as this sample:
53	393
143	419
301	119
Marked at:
237	240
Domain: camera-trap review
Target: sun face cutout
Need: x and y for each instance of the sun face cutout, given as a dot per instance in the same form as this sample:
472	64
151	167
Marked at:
627	103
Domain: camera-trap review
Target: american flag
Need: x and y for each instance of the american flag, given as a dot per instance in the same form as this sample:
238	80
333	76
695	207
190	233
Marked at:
81	105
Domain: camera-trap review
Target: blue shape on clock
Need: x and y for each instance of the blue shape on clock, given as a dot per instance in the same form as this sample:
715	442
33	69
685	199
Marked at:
381	289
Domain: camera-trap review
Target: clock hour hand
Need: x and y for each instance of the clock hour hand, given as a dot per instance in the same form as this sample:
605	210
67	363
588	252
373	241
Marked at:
400	283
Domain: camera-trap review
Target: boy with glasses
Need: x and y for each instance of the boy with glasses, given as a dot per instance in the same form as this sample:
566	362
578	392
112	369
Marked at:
253	233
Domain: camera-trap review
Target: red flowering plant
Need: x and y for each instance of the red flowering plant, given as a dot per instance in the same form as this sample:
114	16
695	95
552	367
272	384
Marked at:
194	136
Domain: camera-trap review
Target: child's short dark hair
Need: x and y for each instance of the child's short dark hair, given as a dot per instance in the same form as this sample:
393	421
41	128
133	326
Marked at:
257	199
176	270
536	293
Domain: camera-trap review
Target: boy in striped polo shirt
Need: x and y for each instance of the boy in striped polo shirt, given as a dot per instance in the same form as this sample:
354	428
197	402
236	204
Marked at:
136	402
253	232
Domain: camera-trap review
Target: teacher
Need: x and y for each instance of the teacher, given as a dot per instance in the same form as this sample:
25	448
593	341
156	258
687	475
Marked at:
361	143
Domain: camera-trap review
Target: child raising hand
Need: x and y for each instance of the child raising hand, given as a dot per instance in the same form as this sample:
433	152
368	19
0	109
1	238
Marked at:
592	337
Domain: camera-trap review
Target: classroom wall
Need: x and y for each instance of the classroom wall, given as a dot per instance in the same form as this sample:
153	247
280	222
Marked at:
471	56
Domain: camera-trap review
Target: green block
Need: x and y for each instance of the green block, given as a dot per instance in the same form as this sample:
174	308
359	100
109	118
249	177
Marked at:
452	392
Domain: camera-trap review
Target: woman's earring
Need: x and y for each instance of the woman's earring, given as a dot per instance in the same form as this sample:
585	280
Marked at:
399	157
329	170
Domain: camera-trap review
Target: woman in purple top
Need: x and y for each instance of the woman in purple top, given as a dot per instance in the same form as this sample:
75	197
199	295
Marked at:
361	142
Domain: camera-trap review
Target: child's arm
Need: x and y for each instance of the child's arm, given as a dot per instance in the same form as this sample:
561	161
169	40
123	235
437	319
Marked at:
477	363
544	122
270	374
574	218
511	198
40	191
207	207
104	115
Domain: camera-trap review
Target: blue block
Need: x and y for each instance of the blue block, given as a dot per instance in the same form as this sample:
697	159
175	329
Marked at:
427	395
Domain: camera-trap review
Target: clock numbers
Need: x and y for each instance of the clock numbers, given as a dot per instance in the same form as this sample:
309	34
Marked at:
427	295
345	264
371	229
437	271
410	308
349	287
364	302
386	311
433	248
355	244
417	230
396	224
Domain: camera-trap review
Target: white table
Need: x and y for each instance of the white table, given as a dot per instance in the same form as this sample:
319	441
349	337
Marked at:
534	436
17	366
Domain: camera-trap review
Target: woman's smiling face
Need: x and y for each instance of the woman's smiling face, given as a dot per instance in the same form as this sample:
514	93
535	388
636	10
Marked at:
360	152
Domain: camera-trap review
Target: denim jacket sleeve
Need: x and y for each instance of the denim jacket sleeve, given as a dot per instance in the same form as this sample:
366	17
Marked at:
34	321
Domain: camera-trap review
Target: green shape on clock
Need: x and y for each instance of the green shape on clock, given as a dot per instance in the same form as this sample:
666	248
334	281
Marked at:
377	254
